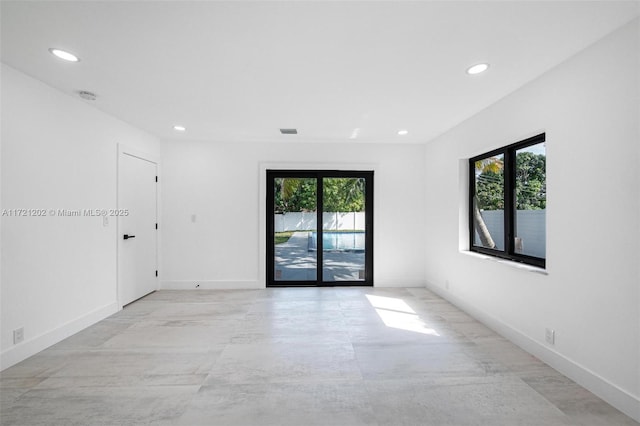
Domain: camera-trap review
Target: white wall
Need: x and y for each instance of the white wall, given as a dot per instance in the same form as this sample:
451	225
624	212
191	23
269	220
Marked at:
223	184
589	108
58	273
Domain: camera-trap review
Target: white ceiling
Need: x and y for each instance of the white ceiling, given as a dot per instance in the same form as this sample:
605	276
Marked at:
239	71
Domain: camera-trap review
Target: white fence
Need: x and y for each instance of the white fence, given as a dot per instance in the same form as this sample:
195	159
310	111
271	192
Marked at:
531	226
531	229
330	220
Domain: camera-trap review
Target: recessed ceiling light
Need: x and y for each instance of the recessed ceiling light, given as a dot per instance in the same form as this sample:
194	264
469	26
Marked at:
477	69
63	54
179	128
403	132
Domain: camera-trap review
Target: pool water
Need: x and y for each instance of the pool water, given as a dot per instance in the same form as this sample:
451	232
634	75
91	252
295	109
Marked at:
338	241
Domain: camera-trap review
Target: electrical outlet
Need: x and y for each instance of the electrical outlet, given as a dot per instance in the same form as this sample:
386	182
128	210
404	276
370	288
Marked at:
550	336
18	335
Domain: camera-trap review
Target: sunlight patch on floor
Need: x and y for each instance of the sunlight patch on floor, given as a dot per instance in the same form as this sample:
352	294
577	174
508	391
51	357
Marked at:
396	313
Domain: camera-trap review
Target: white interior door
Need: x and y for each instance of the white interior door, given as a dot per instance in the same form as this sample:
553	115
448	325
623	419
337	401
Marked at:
137	239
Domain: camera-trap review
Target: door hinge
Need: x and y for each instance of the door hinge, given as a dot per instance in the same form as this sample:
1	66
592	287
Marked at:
156	272
156	226
156	178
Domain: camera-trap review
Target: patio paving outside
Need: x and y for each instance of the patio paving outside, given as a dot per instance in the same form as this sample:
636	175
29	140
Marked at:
294	262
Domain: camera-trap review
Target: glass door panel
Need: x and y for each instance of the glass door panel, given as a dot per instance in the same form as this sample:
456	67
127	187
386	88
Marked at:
294	220
343	229
319	228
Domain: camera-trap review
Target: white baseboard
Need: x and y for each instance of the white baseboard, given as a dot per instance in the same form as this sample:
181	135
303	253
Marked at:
244	285
210	285
609	392
32	346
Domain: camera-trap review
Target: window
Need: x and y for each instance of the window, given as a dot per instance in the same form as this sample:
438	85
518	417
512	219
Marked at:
508	200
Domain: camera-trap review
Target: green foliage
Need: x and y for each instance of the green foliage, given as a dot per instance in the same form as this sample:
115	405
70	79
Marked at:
343	195
339	195
295	195
531	181
531	188
490	190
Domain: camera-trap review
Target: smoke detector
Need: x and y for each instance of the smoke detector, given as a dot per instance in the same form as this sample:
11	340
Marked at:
89	96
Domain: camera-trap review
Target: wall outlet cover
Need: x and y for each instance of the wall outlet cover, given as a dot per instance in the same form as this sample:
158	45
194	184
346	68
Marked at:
550	336
18	335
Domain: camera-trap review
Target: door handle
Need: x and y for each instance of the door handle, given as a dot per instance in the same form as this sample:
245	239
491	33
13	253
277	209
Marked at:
126	236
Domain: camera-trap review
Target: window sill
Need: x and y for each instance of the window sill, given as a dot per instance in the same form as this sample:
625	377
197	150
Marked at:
510	263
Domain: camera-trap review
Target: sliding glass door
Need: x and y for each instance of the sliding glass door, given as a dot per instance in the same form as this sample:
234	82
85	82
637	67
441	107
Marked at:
319	228
294	262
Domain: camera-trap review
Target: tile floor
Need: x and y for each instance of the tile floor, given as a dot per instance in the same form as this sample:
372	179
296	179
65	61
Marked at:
305	356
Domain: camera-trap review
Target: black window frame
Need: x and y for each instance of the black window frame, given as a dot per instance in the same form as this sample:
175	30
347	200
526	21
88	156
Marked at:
509	163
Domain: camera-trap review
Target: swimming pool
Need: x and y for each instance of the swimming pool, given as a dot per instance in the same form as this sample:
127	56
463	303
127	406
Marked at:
338	241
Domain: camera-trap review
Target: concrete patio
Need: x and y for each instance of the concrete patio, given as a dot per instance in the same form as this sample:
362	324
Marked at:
294	262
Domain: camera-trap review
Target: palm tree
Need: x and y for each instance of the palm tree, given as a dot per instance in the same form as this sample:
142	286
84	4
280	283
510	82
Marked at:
288	187
354	190
295	194
493	165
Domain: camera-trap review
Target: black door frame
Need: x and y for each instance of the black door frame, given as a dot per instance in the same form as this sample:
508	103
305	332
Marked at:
319	175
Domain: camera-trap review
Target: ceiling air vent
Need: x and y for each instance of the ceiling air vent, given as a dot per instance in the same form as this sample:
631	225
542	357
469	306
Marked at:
289	131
